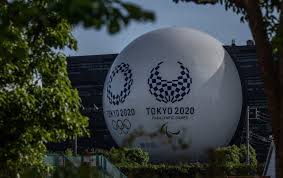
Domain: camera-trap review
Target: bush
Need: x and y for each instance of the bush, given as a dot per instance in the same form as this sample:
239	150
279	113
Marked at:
69	152
125	156
193	170
223	161
102	152
231	160
164	171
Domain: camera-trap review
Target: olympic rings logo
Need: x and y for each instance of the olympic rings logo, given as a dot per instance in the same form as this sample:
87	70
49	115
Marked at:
122	126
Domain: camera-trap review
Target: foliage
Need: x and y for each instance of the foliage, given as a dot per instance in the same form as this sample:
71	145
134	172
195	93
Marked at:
192	170
83	171
227	157
69	171
164	171
223	161
252	155
265	19
125	156
231	160
226	161
68	152
37	104
270	9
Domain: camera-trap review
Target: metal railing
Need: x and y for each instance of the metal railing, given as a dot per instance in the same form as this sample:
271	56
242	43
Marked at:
75	166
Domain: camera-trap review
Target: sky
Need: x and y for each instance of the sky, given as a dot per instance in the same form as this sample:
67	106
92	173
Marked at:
212	19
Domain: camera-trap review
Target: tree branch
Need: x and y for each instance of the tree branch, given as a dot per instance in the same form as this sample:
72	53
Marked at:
265	59
280	69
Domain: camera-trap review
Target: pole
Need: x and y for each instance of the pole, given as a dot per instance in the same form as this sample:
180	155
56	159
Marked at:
248	134
76	146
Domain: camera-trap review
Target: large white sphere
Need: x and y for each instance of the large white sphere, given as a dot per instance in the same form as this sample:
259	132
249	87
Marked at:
174	92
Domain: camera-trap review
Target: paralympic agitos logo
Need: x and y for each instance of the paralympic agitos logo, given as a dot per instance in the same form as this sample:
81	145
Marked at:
169	91
120	97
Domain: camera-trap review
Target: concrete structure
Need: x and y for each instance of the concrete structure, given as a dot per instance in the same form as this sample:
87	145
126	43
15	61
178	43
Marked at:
270	164
81	68
175	92
254	97
87	75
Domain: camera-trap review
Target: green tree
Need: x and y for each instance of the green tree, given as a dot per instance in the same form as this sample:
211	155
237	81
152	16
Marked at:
265	20
128	156
37	103
231	160
243	155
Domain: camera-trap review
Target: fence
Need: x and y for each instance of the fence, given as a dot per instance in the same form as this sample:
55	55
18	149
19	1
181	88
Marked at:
82	166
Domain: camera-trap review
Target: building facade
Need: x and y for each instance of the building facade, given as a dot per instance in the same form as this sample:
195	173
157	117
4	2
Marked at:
87	75
254	98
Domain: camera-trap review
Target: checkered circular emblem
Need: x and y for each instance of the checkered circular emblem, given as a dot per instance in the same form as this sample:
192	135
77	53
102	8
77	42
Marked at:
125	70
169	91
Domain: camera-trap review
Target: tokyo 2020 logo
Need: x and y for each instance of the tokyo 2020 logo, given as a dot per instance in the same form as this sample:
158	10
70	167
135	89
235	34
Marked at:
169	91
120	96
